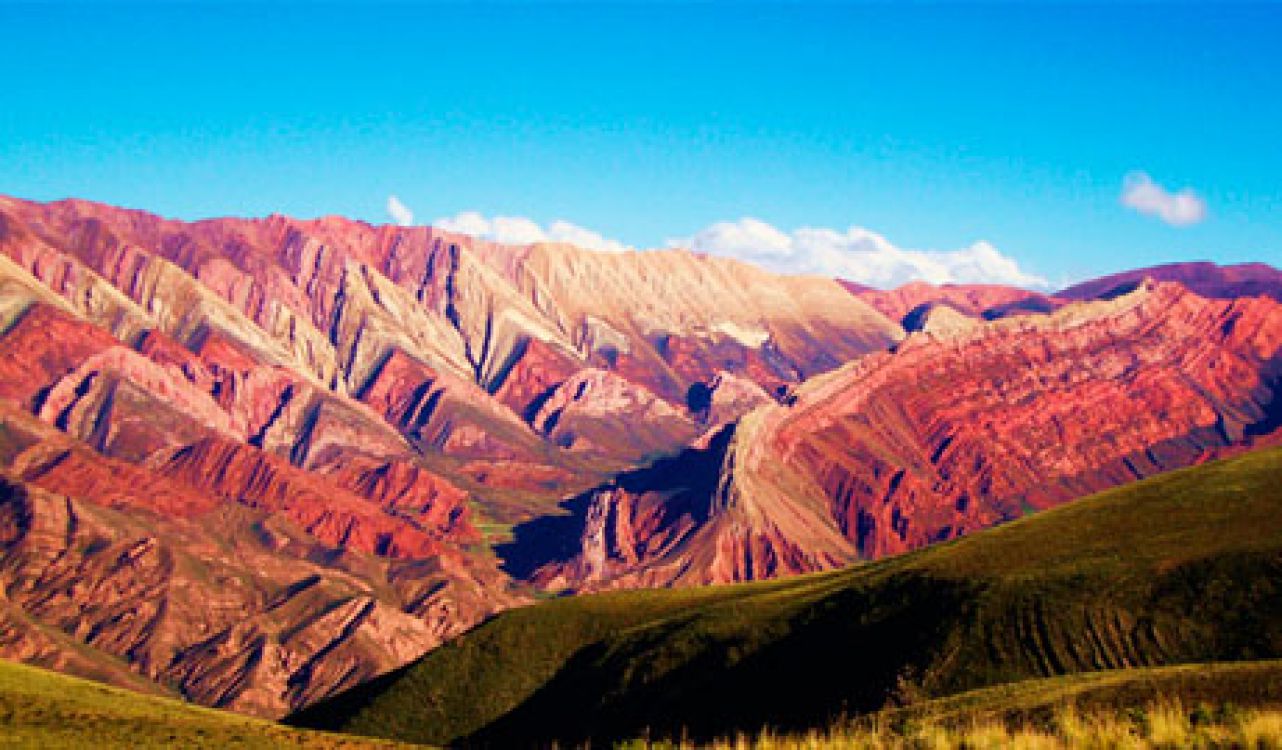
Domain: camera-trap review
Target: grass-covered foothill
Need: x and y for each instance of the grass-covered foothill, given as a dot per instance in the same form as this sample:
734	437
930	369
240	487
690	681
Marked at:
46	710
1183	568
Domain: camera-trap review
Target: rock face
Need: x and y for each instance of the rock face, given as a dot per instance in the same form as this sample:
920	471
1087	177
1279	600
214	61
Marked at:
945	435
244	459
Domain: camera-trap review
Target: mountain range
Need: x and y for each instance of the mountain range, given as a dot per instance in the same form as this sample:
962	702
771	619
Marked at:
258	462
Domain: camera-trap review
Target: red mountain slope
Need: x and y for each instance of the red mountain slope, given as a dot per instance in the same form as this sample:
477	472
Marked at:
945	435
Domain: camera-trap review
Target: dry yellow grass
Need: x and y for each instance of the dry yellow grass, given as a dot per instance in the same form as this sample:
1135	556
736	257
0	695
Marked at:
1162	724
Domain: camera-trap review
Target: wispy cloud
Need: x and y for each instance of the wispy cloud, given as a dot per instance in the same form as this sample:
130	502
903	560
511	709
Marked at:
400	213
1179	209
856	254
518	230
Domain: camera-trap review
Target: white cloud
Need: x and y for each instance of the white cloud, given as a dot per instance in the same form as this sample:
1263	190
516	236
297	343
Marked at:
856	254
747	238
1179	209
518	230
400	213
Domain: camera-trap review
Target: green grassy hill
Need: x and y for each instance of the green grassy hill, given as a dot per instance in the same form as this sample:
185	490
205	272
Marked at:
1182	568
42	709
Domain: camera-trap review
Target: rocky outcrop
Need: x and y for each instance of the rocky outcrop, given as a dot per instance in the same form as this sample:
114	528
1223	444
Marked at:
939	319
42	345
442	413
238	473
535	370
402	487
595	410
725	398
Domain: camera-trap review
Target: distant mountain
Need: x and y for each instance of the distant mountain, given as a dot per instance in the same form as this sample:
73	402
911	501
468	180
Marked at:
1206	279
986	301
911	302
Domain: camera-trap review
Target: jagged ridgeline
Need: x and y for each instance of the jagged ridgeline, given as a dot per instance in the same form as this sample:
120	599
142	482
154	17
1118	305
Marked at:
1181	568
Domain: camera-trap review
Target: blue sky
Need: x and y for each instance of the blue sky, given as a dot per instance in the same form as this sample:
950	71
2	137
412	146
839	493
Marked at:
935	127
